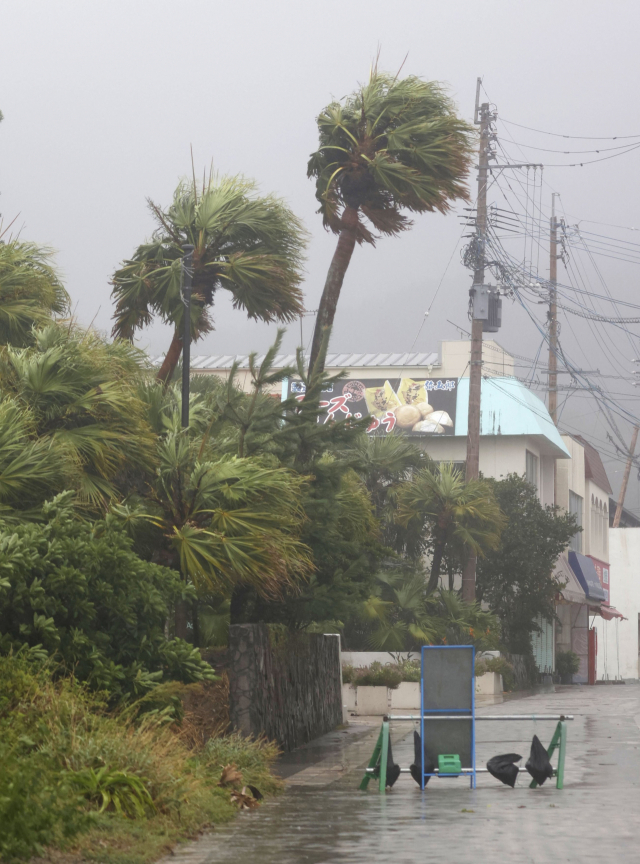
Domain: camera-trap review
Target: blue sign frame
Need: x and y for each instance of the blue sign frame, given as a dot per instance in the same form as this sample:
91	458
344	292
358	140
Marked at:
466	712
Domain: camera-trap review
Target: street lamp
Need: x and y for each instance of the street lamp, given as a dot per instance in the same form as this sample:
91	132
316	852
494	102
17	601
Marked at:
187	262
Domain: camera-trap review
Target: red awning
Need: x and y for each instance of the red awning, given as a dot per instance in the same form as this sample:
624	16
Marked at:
609	612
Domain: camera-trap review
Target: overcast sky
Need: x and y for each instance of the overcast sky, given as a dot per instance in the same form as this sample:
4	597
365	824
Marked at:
102	101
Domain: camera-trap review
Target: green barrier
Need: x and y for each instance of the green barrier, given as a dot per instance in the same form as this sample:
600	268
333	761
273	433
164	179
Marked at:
377	767
559	742
380	752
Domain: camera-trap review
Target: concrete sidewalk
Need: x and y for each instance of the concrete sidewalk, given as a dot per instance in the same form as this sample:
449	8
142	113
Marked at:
322	818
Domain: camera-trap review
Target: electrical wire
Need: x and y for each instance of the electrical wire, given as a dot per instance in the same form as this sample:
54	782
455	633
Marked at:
575	137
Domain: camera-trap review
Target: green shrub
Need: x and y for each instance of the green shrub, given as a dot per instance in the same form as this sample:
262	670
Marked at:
410	670
73	771
501	666
118	791
36	809
567	663
348	674
375	675
78	592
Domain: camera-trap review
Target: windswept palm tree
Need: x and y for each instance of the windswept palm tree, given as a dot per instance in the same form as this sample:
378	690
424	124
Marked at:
79	392
31	468
227	523
457	514
30	291
251	245
394	145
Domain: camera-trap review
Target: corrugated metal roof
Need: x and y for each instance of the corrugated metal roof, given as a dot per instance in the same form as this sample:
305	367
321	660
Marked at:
342	361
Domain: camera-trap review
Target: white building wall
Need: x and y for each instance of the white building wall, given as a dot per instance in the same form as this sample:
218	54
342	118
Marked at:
547	487
499	455
456	354
570	474
596	519
618	648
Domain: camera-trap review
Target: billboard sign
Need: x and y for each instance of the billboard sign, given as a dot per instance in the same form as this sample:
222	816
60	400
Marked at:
417	406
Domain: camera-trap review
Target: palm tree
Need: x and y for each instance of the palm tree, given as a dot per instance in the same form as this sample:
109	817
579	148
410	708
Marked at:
391	146
79	393
31	468
458	514
402	615
398	611
30	291
227	523
252	245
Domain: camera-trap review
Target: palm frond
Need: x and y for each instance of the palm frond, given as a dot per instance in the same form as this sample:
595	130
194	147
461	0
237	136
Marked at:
249	244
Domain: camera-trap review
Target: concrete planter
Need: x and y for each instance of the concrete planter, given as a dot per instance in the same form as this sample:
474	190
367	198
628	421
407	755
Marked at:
489	684
376	701
372	701
406	697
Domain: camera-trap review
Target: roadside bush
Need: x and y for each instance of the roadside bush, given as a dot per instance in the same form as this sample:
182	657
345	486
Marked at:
76	775
567	664
77	592
499	665
375	675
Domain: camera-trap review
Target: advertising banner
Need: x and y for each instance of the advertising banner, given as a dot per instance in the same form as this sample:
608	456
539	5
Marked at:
602	569
416	406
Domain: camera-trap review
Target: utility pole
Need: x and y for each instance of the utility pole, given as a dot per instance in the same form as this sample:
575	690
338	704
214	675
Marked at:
483	119
625	479
553	313
187	262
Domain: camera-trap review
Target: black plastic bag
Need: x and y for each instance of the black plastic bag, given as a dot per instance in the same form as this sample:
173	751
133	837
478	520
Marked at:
503	769
416	768
393	770
538	764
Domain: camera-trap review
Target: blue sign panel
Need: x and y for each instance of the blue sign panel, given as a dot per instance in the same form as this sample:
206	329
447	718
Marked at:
585	571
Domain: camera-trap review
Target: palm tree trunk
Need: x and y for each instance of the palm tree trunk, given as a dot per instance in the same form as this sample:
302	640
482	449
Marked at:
165	373
335	278
436	563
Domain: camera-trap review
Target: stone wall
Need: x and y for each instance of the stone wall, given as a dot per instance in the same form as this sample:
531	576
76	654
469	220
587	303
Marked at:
284	685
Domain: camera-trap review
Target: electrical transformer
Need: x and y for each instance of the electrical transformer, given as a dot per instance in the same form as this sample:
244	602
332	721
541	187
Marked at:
487	306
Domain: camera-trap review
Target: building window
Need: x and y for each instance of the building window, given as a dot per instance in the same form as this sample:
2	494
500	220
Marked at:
575	507
605	575
532	468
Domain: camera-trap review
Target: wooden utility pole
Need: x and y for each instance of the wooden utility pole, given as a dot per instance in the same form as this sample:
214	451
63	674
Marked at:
625	479
483	119
553	314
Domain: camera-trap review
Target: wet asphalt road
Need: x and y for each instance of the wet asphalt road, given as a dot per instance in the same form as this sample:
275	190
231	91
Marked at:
322	818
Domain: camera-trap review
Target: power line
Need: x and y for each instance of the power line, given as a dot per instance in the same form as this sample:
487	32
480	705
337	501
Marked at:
575	137
569	152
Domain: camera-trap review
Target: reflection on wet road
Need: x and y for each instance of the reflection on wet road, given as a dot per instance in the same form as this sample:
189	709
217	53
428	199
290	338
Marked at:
322	818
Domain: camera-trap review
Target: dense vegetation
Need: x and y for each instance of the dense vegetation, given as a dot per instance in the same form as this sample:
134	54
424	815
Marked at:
128	543
78	776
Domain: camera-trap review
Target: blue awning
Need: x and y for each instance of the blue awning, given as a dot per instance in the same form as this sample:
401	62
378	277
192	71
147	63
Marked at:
586	575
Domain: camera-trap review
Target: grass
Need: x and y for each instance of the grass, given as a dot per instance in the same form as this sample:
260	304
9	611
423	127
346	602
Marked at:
82	783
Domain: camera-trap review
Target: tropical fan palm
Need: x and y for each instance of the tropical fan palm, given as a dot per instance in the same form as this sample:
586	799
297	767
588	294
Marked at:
457	513
252	245
399	612
79	392
31	468
392	146
226	521
30	291
403	616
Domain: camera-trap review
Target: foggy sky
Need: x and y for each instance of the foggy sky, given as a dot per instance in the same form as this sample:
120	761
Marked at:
102	101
